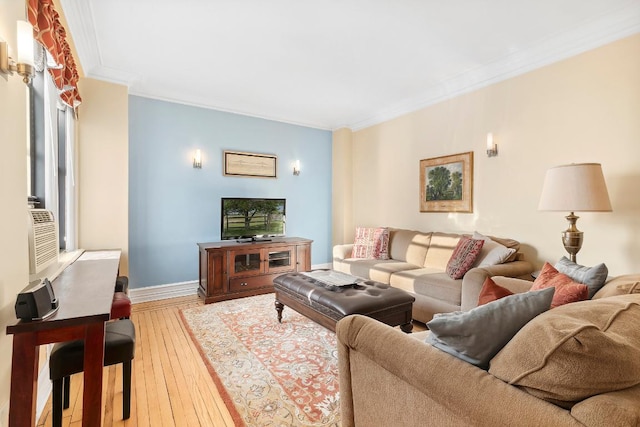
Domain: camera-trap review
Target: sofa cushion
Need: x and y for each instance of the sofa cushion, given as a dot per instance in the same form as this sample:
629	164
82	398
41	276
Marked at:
616	408
409	246
566	289
491	292
477	335
594	277
429	282
371	243
492	252
575	351
372	269
440	249
621	285
463	257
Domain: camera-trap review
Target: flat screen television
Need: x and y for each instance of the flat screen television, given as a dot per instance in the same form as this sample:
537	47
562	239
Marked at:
244	217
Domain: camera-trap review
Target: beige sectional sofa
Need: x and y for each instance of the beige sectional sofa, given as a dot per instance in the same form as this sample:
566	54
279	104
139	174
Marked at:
589	348
417	264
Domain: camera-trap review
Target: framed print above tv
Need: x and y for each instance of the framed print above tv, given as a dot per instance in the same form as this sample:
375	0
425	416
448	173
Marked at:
250	164
446	183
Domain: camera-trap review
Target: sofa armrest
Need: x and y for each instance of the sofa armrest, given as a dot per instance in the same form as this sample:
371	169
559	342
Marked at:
390	378
342	251
473	280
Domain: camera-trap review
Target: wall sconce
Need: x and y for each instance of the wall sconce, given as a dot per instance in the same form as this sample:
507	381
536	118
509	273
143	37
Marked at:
24	65
492	148
296	167
197	160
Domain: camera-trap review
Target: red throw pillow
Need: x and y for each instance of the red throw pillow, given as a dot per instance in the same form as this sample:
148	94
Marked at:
491	292
566	289
463	257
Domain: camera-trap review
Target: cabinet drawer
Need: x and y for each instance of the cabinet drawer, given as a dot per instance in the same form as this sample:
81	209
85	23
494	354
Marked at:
245	283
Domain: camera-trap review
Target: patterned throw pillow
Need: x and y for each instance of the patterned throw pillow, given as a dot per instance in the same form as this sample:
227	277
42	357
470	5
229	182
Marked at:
491	291
566	289
371	243
463	257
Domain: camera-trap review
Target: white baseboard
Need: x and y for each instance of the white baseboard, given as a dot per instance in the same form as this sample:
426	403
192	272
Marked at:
44	386
155	293
44	390
326	266
180	289
4	414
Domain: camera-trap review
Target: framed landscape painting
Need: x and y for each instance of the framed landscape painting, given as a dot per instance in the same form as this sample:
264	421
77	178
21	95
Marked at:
446	183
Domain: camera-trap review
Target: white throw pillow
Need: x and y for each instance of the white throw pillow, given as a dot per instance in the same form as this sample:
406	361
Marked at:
492	252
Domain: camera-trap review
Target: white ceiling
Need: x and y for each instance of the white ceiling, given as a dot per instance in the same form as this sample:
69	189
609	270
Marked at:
331	63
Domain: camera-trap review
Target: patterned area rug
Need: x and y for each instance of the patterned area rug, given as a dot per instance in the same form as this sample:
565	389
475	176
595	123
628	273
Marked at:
269	374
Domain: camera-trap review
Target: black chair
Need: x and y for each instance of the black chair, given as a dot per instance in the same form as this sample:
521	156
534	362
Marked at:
122	284
67	358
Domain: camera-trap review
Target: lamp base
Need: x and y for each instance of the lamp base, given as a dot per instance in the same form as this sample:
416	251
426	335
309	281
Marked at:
572	237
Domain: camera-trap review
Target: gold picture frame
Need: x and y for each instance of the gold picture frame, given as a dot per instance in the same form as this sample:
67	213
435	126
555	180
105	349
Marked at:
446	183
250	164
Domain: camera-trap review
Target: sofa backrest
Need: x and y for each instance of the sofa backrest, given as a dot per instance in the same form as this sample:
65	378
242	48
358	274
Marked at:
408	245
432	249
620	285
440	250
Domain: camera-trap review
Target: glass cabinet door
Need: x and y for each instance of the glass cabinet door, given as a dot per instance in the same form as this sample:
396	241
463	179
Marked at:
246	263
282	260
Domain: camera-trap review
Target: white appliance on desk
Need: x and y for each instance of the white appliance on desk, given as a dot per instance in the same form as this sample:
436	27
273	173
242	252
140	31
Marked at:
43	240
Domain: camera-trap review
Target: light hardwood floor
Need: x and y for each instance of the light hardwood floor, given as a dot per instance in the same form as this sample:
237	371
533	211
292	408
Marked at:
170	383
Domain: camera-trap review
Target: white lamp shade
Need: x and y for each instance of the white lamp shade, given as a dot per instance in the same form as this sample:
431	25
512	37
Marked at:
575	188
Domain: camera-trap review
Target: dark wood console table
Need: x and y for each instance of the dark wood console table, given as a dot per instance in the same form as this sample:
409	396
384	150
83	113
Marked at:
85	293
231	269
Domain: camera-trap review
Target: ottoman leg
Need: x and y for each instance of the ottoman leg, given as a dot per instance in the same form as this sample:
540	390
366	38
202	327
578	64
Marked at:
407	328
279	308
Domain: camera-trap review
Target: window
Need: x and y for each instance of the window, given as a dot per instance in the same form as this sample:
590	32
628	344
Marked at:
50	152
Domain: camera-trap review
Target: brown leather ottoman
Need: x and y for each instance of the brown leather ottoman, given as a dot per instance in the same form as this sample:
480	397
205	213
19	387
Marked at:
326	305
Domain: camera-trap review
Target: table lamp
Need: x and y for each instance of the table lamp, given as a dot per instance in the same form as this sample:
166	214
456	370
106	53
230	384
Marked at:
577	187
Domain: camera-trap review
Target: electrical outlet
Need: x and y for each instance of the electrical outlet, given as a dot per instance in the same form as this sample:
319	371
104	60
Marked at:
4	414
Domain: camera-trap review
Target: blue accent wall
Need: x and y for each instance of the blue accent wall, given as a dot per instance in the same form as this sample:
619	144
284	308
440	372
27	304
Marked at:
173	206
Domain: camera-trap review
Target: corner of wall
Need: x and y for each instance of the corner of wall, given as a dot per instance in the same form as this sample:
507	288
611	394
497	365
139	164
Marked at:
341	184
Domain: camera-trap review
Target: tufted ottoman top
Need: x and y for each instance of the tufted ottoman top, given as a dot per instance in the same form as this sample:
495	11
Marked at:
363	297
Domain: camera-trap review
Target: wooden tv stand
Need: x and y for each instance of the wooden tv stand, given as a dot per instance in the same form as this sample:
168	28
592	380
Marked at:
232	269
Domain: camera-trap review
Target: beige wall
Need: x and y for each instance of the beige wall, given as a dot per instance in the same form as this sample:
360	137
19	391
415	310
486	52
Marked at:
14	259
103	158
584	109
341	185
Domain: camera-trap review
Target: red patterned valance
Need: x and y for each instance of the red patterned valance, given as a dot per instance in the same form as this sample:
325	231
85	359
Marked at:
49	32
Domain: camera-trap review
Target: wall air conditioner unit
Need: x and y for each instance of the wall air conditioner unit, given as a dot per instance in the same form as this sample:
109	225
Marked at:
43	240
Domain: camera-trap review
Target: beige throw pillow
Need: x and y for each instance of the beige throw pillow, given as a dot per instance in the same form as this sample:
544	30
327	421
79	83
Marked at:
492	252
575	351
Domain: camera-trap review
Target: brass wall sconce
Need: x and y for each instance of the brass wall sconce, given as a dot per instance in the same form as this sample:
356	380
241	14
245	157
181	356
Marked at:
24	64
197	160
296	167
492	147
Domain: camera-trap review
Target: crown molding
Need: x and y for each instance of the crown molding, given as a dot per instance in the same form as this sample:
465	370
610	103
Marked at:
614	26
605	29
81	24
209	106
